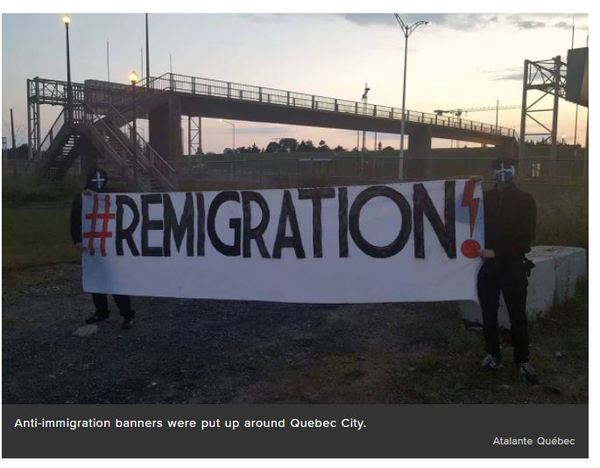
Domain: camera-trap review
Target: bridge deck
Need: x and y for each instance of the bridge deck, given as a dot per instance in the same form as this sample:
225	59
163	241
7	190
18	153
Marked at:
300	101
351	114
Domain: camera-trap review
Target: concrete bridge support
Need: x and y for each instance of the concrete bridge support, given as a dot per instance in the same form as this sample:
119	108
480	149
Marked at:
165	129
419	165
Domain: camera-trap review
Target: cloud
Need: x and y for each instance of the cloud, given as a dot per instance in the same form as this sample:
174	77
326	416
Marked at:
370	19
455	21
566	25
500	74
562	25
530	24
510	76
543	20
452	21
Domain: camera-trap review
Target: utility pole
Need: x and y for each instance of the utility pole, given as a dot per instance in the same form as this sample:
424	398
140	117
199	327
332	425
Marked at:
576	105
587	126
107	61
147	55
497	108
14	145
4	152
69	113
364	100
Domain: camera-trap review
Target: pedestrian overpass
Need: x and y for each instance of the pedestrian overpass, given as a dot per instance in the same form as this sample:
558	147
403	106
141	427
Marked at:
96	122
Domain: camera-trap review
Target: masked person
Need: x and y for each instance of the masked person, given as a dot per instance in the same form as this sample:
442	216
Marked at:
510	219
96	182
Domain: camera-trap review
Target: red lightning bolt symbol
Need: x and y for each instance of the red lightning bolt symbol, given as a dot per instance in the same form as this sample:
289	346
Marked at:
472	203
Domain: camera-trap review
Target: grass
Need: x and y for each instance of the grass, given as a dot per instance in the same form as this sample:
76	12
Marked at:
35	221
559	351
563	221
36	234
27	189
439	364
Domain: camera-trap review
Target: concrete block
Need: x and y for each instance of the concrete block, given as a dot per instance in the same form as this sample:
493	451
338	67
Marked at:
553	279
570	265
541	290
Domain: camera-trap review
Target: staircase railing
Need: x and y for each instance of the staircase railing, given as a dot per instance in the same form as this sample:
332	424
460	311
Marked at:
158	166
147	158
101	130
49	138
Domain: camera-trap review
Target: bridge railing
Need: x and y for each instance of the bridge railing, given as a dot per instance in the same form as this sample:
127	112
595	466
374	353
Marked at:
244	92
53	92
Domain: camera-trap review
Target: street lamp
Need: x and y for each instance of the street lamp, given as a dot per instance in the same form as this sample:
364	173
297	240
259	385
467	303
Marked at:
133	78
233	127
364	101
407	30
67	20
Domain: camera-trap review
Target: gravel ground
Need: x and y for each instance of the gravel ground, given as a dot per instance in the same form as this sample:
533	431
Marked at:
208	351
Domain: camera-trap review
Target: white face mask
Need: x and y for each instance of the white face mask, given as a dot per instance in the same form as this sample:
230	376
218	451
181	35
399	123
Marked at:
504	174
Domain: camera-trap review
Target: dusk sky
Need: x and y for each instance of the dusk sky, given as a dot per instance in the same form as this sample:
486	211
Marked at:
461	60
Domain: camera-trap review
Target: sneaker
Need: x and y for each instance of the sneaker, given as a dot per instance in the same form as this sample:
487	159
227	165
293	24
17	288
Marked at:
127	323
527	373
97	317
490	363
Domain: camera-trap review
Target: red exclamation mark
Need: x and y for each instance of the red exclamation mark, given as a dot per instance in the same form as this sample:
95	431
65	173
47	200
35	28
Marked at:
470	248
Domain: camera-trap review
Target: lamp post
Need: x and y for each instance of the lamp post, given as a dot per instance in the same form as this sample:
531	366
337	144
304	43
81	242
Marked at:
407	30
133	78
364	101
147	55
233	127
69	114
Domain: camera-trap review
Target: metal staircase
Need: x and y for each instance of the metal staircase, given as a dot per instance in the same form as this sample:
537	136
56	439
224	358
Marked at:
103	125
153	172
58	149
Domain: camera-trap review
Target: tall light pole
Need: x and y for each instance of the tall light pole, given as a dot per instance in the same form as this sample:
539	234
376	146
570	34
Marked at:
67	20
107	60
577	105
497	109
232	126
407	30
147	55
364	101
133	78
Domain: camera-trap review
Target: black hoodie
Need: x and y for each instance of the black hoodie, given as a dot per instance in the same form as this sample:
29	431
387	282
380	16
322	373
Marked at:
510	219
97	181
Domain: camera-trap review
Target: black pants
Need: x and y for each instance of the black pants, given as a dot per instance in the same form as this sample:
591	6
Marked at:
510	278
123	303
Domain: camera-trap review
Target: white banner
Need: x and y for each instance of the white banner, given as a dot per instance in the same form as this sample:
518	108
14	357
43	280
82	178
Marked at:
402	242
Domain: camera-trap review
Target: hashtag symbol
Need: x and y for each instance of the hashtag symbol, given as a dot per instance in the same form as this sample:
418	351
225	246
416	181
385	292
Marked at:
104	233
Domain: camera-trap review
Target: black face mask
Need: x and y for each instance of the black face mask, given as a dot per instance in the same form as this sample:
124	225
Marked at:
97	180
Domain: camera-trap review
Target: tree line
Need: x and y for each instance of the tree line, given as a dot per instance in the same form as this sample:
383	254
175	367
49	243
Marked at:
291	145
